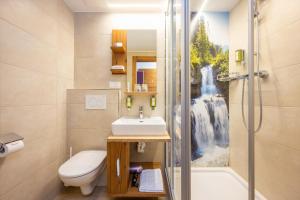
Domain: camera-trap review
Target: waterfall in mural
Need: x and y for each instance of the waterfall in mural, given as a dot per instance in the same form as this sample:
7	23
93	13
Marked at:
209	120
209	56
208	87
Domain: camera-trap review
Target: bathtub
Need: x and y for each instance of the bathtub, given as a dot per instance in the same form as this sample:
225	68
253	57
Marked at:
217	184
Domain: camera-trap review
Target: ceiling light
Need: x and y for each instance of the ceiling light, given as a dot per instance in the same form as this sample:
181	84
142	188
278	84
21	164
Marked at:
115	5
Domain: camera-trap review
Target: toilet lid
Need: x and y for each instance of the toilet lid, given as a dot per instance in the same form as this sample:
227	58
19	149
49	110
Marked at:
82	163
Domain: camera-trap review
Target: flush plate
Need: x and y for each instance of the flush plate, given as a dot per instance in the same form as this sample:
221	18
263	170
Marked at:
95	102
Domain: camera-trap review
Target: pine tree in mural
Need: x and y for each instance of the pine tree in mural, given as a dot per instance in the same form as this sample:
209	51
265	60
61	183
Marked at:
201	54
204	52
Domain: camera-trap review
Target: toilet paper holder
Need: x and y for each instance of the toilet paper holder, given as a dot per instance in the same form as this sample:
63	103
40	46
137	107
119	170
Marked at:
8	138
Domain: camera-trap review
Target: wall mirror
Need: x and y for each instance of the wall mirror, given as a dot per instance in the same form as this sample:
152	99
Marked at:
141	60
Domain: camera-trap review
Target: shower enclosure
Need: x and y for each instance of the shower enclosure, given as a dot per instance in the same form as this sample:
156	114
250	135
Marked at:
215	100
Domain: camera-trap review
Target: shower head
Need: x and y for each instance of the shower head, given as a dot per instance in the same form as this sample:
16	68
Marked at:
256	13
256	3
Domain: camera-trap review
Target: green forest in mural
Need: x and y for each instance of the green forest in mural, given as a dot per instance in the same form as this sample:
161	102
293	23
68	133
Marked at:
203	53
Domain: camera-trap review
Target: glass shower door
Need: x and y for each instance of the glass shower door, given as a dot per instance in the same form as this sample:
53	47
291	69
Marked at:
212	72
176	84
174	43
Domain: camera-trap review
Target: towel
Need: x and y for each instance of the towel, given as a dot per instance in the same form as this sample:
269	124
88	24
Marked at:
118	44
151	181
118	67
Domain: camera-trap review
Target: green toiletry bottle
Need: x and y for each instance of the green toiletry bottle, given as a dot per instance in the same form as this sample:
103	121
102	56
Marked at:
128	102
153	102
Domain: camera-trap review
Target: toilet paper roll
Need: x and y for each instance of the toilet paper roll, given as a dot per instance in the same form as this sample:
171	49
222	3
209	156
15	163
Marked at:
11	147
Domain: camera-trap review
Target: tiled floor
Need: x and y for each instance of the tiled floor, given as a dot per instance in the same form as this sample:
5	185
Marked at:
73	193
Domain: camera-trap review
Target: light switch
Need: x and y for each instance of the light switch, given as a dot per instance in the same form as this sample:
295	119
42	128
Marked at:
95	102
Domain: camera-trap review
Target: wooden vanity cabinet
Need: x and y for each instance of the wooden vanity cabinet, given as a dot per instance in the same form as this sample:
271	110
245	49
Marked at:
117	167
118	164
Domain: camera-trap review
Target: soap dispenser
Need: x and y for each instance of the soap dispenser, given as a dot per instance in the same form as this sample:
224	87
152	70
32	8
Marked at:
239	56
153	102
128	102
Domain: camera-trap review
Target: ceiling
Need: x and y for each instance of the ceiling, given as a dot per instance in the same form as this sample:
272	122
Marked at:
146	5
117	5
213	5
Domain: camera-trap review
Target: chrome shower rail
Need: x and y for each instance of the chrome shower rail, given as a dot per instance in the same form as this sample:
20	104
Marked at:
237	76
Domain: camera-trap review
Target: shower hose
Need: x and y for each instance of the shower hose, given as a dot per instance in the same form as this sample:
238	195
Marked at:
258	84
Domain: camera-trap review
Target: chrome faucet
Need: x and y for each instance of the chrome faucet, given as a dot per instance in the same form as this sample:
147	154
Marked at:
141	112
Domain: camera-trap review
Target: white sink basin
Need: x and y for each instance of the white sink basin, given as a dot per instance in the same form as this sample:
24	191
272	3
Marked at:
136	126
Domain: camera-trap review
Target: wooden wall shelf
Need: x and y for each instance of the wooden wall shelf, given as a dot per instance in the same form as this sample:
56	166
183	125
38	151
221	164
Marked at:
119	54
118	71
118	49
141	93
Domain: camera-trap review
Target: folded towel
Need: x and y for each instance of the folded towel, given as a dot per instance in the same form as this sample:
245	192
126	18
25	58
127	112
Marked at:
118	67
118	44
151	181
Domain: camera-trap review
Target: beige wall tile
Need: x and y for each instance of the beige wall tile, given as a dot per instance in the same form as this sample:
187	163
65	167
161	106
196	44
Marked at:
62	86
97	23
281	125
81	118
65	62
93	73
65	17
32	18
238	141
31	122
287	85
277	171
44	179
21	49
93	139
93	45
61	129
77	96
36	69
285	40
271	14
153	153
65	66
24	87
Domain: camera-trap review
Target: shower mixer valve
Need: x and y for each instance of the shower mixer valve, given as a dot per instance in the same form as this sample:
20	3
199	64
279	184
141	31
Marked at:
237	76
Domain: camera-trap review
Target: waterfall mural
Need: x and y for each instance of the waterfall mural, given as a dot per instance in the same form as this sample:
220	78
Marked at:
210	125
209	110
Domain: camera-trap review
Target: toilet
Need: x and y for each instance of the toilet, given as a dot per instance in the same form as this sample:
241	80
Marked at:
83	169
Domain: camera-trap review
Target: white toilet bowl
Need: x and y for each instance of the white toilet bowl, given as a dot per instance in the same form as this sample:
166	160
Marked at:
82	170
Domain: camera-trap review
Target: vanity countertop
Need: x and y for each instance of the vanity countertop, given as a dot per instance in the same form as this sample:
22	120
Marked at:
139	138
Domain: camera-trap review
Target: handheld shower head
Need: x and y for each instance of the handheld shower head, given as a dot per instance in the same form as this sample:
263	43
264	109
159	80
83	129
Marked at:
256	13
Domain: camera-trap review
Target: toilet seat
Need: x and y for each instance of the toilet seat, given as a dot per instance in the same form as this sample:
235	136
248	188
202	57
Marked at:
82	164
